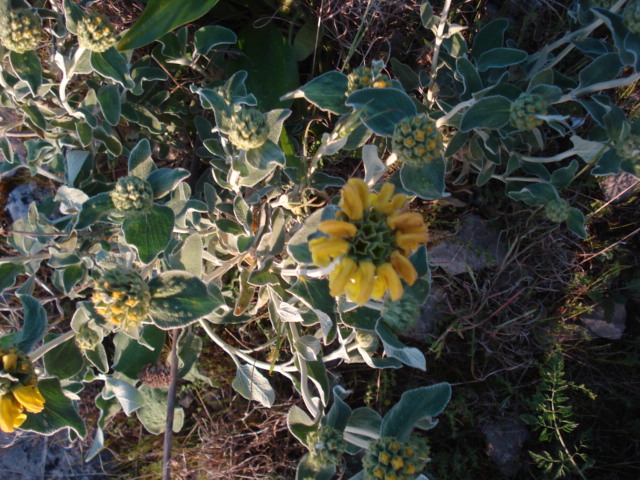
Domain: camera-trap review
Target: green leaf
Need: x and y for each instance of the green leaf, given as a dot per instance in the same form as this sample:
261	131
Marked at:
500	58
165	180
8	273
562	177
608	164
266	157
160	17
300	424
535	194
140	162
94	209
129	398
35	115
188	256
307	470
426	14
27	67
189	347
270	63
365	419
178	299
394	348
150	233
489	37
73	14
109	100
488	112
34	326
113	65
307	39
575	223
470	77
153	412
314	293
405	74
603	68
328	92
64	361
131	356
252	385
211	36
339	413
110	140
98	358
382	108
58	413
426	181
415	405
6	149
298	245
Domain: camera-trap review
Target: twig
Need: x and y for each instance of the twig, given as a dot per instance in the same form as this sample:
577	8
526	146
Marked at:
171	403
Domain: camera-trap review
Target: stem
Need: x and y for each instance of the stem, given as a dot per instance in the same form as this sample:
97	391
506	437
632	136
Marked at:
24	259
50	345
363	432
556	158
436	50
171	404
442	120
517	179
619	82
304	378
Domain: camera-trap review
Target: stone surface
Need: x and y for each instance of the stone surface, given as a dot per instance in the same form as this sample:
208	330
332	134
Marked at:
26	456
505	438
606	326
474	248
430	313
620	187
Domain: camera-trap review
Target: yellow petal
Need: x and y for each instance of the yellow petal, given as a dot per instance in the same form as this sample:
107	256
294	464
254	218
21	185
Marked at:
9	362
338	228
379	288
323	248
367	273
410	241
397	202
30	397
404	268
340	275
351	202
382	199
362	189
402	221
392	280
11	415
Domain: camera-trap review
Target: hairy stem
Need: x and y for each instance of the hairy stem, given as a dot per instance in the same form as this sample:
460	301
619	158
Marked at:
50	345
171	404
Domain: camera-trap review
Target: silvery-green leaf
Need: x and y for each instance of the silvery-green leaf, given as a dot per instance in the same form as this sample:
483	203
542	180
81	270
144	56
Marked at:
149	233
113	65
71	199
396	349
488	112
425	181
64	361
188	256
489	37
500	57
373	166
381	108
165	180
131	355
109	100
327	92
252	385
34	325
535	194
130	399
575	223
309	471
27	67
109	138
308	347
153	412
211	36
601	69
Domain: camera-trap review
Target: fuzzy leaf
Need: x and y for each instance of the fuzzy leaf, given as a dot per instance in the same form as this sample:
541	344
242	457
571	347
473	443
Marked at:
488	112
252	385
382	108
150	233
328	92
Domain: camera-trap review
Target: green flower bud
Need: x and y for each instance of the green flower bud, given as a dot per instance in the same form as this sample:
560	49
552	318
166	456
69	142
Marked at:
96	33
390	459
15	369
132	196
557	210
401	315
631	16
326	446
21	30
367	341
87	338
249	129
629	148
417	141
524	110
365	77
122	297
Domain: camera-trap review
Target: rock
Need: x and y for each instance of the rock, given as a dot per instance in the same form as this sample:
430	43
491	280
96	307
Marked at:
474	248
504	443
430	313
601	326
27	456
620	187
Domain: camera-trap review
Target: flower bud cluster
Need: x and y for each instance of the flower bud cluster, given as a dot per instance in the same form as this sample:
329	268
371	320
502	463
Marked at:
132	196
417	141
367	77
400	315
122	297
631	16
525	110
96	33
390	459
557	210
21	30
368	341
326	446
629	148
249	129
87	338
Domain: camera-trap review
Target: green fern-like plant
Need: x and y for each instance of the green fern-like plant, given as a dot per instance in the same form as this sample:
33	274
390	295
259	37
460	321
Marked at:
554	420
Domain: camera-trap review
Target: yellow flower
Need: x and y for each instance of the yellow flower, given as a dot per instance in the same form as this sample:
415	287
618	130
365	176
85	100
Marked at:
373	236
30	397
11	415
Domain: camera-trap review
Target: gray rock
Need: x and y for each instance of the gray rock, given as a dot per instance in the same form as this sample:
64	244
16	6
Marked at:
603	327
505	438
27	456
474	248
620	187
430	313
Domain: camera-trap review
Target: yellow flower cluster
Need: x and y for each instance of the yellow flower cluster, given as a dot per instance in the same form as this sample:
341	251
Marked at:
374	234
18	389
